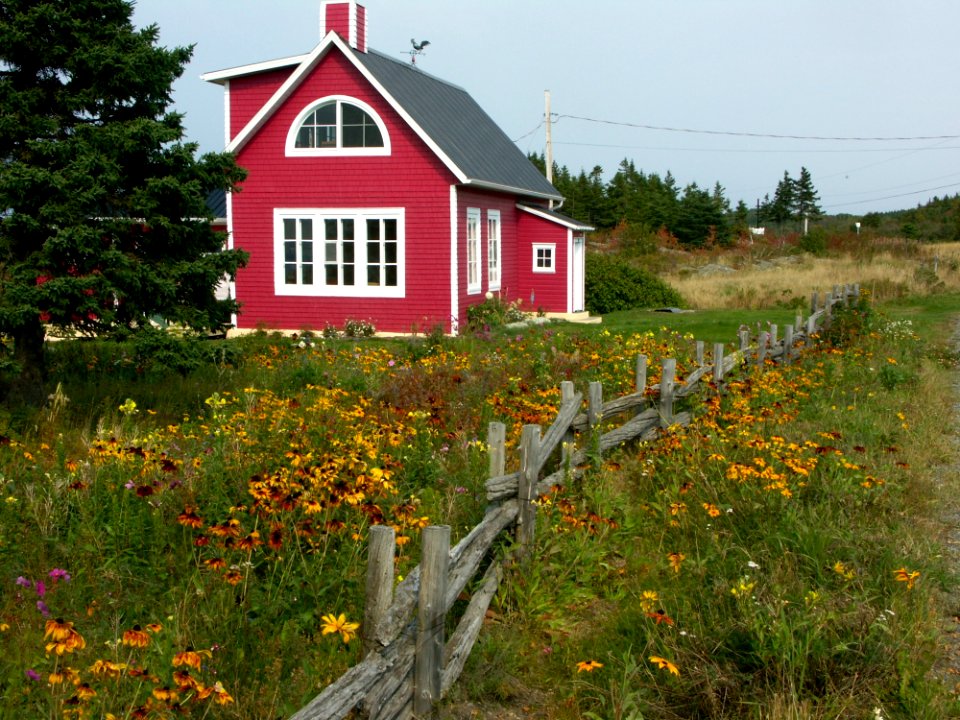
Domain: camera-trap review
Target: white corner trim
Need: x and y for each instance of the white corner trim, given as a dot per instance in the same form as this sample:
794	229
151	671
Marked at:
454	265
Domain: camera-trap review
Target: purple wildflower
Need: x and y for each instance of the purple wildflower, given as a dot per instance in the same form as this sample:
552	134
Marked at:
41	588
42	607
23	582
59	574
33	675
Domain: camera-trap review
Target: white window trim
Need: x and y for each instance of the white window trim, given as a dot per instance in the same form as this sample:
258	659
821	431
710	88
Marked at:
494	250
552	247
293	151
475	246
359	216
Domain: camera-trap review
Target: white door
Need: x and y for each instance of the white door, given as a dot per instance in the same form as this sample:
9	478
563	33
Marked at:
578	267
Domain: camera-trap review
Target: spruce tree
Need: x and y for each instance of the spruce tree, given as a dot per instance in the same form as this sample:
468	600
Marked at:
806	200
103	220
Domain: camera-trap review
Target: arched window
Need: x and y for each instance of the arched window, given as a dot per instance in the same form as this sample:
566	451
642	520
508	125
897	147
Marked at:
338	125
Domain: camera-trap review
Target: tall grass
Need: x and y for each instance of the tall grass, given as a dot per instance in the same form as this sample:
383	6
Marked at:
768	279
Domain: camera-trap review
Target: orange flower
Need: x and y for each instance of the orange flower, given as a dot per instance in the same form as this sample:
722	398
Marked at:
588	665
65	638
664	664
85	692
906	576
233	577
192	658
189	518
165	694
676	560
136	638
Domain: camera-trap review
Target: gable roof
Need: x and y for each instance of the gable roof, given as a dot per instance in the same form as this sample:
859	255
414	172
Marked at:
443	115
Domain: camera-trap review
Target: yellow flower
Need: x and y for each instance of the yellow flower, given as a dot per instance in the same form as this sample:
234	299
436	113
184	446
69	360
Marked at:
648	598
339	624
190	657
676	559
664	664
906	576
588	665
843	571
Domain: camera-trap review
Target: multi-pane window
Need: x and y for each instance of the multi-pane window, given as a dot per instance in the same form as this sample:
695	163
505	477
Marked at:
543	258
338	125
473	250
493	249
345	253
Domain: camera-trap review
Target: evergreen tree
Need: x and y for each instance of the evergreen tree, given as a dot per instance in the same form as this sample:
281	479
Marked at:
781	208
806	200
103	221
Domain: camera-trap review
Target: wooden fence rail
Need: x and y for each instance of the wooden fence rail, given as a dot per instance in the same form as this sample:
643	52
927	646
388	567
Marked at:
408	664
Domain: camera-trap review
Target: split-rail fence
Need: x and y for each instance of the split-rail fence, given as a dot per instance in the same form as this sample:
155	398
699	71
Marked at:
409	664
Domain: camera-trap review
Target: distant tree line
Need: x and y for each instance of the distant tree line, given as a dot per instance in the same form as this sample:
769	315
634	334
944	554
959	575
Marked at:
695	216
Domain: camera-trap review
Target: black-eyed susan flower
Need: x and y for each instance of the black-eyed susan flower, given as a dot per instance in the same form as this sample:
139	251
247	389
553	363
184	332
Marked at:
191	658
676	560
664	664
136	637
588	665
339	624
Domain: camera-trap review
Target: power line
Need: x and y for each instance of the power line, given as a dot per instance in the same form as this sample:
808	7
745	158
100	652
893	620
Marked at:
760	135
891	197
752	151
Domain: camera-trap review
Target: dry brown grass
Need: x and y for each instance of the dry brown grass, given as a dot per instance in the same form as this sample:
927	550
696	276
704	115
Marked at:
887	270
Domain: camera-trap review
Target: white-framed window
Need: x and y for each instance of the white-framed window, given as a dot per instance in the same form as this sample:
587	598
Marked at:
474	281
338	125
493	249
339	252
544	257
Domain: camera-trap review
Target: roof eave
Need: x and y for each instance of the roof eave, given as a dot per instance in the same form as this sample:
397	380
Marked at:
221	77
555	217
526	192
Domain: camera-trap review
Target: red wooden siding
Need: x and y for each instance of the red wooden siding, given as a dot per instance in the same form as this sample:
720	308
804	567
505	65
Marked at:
410	177
338	19
249	94
549	290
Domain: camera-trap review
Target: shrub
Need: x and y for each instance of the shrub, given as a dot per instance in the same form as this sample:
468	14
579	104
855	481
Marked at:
612	284
493	312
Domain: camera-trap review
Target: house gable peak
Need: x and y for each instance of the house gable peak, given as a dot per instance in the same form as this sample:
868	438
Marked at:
346	18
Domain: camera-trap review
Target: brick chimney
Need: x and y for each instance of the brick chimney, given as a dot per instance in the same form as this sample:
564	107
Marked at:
347	19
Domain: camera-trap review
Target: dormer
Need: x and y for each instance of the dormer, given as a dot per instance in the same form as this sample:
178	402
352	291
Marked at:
347	19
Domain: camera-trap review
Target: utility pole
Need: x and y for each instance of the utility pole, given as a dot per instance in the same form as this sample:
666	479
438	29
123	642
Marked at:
548	156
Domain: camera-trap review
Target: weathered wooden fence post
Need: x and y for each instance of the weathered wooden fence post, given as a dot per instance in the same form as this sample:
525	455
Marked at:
497	448
787	344
567	391
594	403
640	384
699	347
717	364
379	588
774	335
798	323
527	493
667	382
762	339
744	340
811	325
428	669
814	297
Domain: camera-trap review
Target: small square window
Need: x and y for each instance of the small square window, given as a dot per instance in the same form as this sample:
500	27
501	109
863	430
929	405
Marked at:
544	258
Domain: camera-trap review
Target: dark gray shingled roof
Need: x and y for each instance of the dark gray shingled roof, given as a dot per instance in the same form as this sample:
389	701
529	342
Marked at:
557	216
458	125
217	202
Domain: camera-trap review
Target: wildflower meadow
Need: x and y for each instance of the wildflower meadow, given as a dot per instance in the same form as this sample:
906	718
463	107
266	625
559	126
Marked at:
194	545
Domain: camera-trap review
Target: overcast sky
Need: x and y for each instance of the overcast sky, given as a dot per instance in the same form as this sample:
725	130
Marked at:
734	71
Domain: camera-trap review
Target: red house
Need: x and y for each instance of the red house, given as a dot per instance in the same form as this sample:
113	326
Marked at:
378	192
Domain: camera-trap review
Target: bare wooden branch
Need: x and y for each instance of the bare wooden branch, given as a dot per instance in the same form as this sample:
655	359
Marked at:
626	403
558	431
468	554
463	638
503	486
